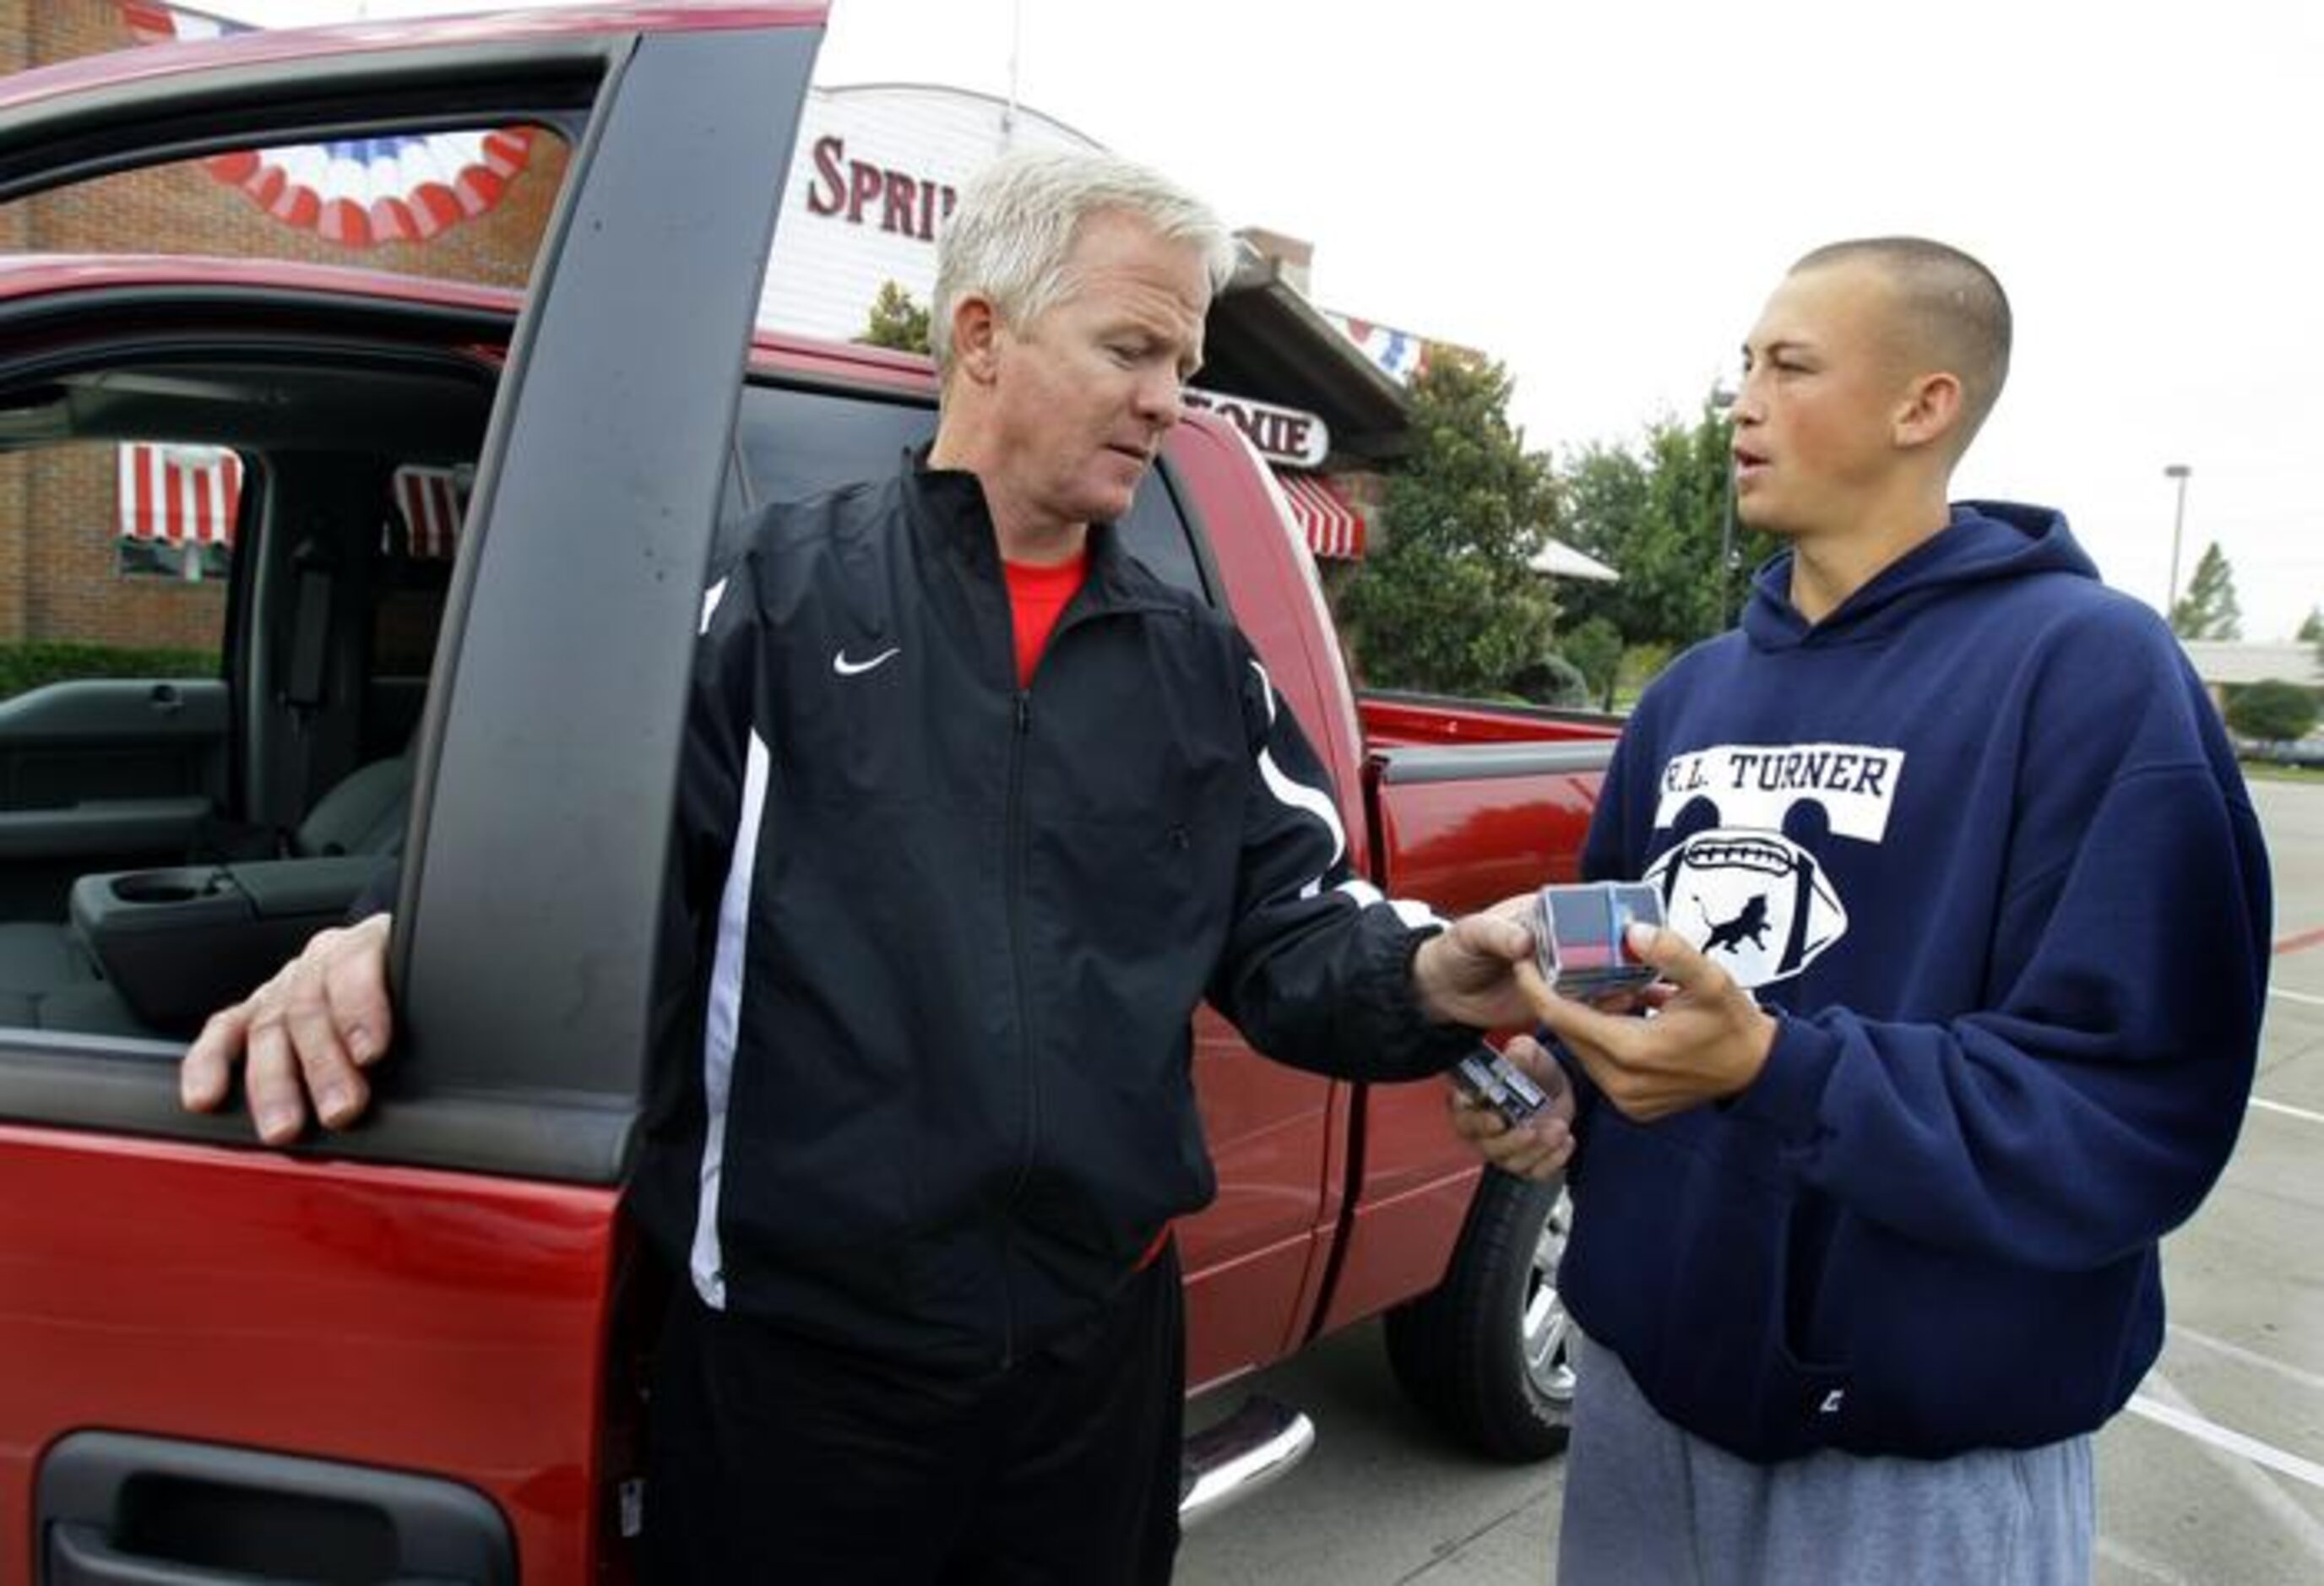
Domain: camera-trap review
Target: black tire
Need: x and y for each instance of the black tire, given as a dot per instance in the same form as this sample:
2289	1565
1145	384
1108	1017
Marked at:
1487	1353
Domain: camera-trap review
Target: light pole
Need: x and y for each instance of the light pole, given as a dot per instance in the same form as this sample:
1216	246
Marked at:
2178	471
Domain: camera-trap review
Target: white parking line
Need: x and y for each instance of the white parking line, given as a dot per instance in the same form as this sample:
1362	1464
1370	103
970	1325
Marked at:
2230	1442
2245	1462
2300	997
2220	1346
2300	1112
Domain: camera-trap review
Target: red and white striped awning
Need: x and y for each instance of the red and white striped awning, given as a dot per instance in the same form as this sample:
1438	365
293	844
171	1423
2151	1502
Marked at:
432	502
1334	528
178	495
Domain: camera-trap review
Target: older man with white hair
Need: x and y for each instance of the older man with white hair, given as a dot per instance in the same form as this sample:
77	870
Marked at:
975	812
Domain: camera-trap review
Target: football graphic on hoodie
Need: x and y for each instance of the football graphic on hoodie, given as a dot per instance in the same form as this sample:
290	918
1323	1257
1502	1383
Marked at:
1751	899
1755	903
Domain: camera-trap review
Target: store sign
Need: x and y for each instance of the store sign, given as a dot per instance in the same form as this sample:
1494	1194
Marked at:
1282	434
862	193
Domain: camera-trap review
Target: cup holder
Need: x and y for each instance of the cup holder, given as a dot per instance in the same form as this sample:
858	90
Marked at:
167	886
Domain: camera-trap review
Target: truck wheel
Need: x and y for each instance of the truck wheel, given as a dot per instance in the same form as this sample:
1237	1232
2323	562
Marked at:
1488	1352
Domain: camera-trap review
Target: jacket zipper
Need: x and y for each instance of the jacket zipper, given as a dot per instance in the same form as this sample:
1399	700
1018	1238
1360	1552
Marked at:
1021	728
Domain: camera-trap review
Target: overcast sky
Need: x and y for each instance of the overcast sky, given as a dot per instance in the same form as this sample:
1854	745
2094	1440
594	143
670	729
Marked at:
1601	195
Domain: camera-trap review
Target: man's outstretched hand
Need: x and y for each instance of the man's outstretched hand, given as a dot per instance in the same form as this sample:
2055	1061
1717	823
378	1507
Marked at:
1467	972
302	1040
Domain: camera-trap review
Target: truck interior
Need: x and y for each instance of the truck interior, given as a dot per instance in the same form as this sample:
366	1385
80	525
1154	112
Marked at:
165	838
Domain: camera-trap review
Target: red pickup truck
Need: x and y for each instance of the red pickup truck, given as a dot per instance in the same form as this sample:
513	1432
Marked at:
413	1349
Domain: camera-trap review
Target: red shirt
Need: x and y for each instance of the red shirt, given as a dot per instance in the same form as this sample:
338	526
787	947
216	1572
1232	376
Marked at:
1037	598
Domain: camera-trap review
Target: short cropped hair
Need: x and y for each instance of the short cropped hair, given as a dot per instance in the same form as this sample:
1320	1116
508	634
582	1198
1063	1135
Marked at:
1010	235
1955	312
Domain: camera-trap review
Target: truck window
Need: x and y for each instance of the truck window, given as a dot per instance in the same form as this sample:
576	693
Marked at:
212	668
798	442
464	205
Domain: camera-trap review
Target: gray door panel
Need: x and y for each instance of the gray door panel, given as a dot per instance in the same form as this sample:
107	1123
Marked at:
112	765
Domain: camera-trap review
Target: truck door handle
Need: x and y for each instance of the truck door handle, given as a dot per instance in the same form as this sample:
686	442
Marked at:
164	699
118	1509
83	1556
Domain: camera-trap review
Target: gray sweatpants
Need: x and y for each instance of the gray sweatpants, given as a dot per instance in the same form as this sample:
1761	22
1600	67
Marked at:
1646	1504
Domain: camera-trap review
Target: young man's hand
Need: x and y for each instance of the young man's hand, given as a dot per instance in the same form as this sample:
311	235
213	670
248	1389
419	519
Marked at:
304	1037
1541	1146
1706	1040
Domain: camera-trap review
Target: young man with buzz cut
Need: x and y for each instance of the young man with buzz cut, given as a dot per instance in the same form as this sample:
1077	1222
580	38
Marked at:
1965	959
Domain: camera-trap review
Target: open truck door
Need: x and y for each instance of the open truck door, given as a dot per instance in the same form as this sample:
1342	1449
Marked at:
387	1351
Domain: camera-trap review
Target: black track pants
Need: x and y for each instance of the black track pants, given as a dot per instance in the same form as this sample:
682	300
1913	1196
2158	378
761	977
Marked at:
774	1459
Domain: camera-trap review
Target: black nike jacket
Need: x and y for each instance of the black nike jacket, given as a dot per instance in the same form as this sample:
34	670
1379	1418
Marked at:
926	1090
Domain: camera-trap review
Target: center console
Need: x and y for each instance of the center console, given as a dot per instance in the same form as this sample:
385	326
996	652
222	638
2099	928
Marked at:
180	943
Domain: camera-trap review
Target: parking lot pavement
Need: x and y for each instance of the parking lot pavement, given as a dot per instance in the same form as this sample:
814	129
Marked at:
2214	1477
1383	1498
2217	1472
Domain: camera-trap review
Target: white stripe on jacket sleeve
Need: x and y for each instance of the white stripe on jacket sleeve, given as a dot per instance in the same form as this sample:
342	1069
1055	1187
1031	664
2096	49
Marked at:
1314	801
1317	802
1413	913
723	1019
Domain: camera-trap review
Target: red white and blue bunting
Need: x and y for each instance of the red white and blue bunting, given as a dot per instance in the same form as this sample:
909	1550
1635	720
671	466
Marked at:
1400	353
359	192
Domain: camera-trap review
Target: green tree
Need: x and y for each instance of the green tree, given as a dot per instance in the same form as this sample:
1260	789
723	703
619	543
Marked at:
1550	679
1657	514
1448	603
2208	610
2273	711
897	321
1603	492
1595	646
2311	632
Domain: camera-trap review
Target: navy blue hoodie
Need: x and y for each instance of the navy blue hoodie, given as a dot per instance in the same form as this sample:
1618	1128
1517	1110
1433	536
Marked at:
1978	840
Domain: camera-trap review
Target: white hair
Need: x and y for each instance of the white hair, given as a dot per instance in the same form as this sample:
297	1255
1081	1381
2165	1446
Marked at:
1013	233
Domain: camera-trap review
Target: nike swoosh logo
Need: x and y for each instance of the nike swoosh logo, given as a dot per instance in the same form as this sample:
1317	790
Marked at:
850	669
